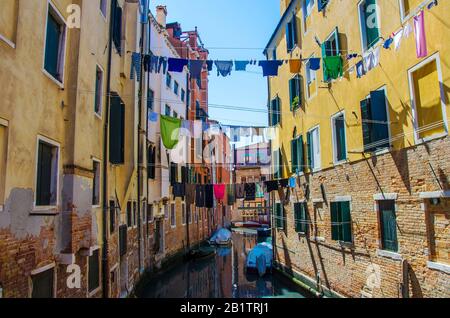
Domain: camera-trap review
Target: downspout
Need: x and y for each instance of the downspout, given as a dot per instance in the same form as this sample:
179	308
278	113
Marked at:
105	275
190	212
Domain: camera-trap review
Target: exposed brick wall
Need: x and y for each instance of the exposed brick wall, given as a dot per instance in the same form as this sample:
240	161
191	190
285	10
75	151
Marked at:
346	269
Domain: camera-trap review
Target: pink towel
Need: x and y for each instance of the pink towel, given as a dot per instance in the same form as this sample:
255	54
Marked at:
219	191
421	39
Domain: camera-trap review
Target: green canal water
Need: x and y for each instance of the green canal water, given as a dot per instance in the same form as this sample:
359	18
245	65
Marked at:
221	276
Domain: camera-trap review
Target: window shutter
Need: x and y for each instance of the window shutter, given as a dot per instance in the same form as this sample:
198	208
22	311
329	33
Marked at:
322	4
117	131
334	221
294	155
388	225
366	127
288	37
44	175
324	54
291	92
300	90
297	217
52	46
337	38
117	29
380	132
372	34
346	222
301	154
279	215
340	138
123	232
295	38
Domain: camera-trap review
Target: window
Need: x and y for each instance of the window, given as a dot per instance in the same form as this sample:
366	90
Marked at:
175	87
150	214
8	21
168	80
275	111
188	98
47	174
330	47
151	158
322	4
274	53
173	173
167	110
117	131
369	23
301	217
175	114
123	242
129	214
388	225
183	95
374	117
173	221
103	4
183	214
55	45
166	212
308	6
425	81
134	213
150	100
3	157
295	92
438	229
189	214
409	7
98	91
96	184
112	216
279	216
43	284
291	34
94	271
311	83
297	155
117	26
339	138
313	142
341	224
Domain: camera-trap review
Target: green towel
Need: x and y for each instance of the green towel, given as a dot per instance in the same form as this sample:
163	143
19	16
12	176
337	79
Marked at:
170	131
230	194
333	66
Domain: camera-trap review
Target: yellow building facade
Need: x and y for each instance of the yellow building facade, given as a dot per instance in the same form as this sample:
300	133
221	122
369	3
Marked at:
368	141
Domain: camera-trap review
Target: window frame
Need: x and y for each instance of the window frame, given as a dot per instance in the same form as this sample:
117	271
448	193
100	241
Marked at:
310	131
98	161
298	93
435	57
12	42
403	17
40	270
173	219
4	124
363	28
305	16
352	238
99	113
336	161
97	289
61	20
305	220
382	246
168	80
52	143
176	87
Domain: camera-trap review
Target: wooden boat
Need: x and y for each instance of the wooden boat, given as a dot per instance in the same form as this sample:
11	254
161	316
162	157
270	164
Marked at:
201	252
222	237
247	224
254	261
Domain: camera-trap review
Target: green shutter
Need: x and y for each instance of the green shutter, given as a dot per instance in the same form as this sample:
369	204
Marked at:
279	215
324	54
117	131
366	127
301	218
52	46
346	226
300	90
301	154
44	175
291	93
294	155
278	110
335	236
372	34
380	132
388	225
340	138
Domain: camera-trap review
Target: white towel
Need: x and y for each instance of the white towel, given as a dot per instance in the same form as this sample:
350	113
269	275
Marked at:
407	30
398	39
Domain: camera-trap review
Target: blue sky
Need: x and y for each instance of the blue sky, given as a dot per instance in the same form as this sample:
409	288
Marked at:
235	25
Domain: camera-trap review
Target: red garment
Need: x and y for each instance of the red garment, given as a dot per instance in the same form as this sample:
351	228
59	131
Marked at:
219	191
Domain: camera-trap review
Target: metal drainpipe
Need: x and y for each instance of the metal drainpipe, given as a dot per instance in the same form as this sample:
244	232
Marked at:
105	275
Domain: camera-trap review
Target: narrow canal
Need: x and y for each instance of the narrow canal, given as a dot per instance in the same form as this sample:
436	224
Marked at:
221	276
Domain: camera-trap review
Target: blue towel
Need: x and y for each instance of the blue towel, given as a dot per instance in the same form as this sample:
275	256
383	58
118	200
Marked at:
292	182
224	68
162	62
196	67
314	63
270	68
177	65
209	65
388	43
153	117
241	65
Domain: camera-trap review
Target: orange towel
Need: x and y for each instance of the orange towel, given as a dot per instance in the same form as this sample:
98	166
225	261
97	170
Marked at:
295	65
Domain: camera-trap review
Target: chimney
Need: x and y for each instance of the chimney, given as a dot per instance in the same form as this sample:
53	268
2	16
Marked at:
161	15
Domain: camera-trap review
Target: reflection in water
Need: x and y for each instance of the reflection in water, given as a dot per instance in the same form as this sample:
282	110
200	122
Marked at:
220	276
